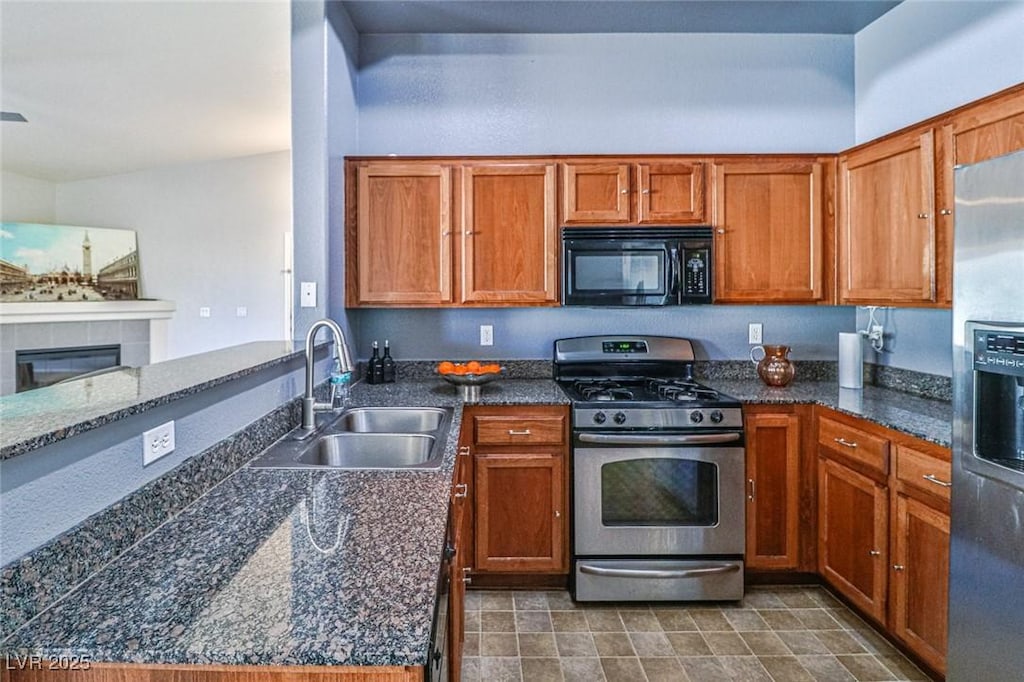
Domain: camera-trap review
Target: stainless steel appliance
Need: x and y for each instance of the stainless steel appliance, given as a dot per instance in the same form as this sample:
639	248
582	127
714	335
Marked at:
986	586
636	266
658	473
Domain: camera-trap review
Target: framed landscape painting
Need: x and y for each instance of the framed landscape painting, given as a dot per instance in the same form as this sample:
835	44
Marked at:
43	263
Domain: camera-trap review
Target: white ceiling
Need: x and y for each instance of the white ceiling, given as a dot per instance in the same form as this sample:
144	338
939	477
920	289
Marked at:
111	86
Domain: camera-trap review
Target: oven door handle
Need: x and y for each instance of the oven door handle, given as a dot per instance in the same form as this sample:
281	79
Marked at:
654	439
653	573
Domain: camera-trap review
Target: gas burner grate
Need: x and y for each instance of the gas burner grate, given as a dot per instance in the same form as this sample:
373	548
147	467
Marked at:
603	390
680	390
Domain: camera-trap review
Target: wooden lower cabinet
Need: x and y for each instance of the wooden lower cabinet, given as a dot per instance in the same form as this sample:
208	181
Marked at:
460	519
920	579
773	489
853	535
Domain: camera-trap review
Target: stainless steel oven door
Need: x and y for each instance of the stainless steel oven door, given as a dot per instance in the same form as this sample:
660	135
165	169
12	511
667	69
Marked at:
658	500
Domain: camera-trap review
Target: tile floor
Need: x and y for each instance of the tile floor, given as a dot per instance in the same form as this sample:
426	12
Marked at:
786	634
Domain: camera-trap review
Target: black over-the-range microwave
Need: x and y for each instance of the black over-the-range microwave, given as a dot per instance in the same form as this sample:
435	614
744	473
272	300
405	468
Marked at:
636	266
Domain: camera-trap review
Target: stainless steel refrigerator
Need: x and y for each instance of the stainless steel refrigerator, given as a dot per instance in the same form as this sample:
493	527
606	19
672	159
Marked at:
986	584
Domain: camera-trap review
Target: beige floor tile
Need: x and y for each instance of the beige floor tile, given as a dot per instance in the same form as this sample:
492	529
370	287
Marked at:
640	621
765	643
542	670
663	669
710	620
797	598
817	619
613	644
744	669
675	620
781	619
560	601
785	669
537	644
497	621
727	644
874	643
471	645
533	621
803	643
745	620
826	668
495	601
622	669
688	643
569	621
499	644
503	669
651	644
604	621
472	621
582	670
762	598
703	668
573	644
530	601
902	668
471	669
473	600
866	668
840	642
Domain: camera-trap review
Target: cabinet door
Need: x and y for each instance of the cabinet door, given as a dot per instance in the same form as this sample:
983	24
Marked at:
670	193
980	132
510	234
403	234
520	522
852	541
769	231
457	593
595	193
920	579
773	490
887	223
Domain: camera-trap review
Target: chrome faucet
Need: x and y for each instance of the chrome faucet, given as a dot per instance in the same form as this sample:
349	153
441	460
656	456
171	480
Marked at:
309	405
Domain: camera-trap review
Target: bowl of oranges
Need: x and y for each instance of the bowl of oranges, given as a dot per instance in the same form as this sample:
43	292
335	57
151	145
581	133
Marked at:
469	376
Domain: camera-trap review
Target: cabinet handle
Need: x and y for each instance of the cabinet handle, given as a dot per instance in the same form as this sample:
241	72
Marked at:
465	578
465	490
898	567
946	211
846	443
446	234
645	191
922	216
524	432
937	481
720	230
874	552
470	233
750	495
558	514
624	191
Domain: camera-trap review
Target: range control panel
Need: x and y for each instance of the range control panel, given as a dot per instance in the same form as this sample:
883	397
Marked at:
1001	352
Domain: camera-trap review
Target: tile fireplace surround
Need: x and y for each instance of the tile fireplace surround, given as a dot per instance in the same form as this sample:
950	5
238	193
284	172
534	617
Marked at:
139	327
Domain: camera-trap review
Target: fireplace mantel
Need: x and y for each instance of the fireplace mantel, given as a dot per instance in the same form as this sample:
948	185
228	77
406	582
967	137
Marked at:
85	311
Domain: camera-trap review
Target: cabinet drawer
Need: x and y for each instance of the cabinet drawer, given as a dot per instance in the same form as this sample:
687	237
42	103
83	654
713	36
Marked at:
854	444
517	430
923	472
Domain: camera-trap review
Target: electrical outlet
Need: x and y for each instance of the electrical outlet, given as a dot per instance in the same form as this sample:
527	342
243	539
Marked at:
157	443
241	311
204	311
754	333
307	295
486	335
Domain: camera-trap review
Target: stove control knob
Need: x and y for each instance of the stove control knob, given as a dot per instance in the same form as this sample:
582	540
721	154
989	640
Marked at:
620	417
717	416
696	416
599	417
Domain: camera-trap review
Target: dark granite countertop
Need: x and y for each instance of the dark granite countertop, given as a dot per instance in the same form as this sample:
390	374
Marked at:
931	420
281	567
34	419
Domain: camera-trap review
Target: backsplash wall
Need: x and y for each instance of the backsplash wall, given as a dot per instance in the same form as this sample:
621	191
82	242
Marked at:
720	332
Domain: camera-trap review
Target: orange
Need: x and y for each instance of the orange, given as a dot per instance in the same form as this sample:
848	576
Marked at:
445	367
473	366
491	369
460	369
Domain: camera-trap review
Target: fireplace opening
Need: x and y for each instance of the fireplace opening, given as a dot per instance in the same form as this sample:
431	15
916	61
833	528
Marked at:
38	368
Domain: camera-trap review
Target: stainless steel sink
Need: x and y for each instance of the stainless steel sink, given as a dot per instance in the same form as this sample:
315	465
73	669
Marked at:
371	450
395	438
390	420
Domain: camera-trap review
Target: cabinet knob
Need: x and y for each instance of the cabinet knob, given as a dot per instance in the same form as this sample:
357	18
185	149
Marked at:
558	514
645	191
897	567
469	233
623	191
922	216
720	230
875	552
946	211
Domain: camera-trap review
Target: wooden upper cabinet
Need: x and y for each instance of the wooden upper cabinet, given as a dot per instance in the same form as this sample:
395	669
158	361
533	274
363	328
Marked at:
650	192
887	245
670	193
769	219
403	235
596	193
509	234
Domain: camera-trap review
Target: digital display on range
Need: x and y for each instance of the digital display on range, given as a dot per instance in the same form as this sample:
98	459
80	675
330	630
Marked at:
1004	343
624	346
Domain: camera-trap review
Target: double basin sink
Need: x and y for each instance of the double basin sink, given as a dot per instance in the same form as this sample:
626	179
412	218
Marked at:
395	438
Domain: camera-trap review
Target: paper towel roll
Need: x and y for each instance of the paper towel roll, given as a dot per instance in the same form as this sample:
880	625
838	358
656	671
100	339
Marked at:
851	360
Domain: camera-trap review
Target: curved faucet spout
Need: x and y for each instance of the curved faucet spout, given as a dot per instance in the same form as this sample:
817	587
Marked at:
341	353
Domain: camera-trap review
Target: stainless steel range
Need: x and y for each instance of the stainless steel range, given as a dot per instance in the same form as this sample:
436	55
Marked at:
658	473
